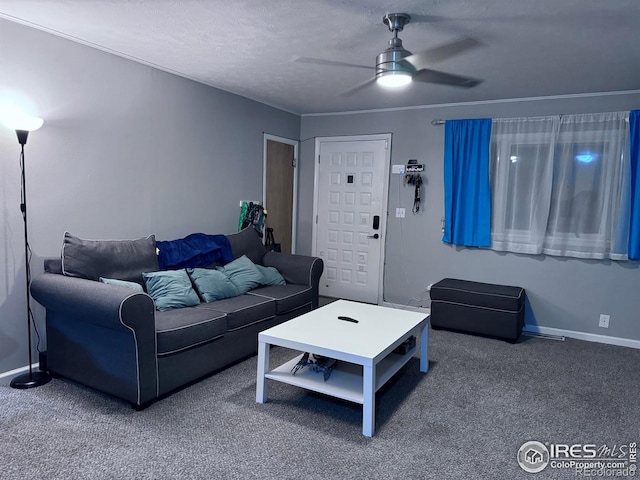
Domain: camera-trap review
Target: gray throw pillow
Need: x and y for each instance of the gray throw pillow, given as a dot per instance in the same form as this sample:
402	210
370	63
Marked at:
247	242
117	259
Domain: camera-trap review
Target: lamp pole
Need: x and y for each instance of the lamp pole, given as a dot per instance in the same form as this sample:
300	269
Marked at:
32	378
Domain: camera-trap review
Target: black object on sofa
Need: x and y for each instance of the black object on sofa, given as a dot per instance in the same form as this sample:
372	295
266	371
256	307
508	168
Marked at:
113	339
474	307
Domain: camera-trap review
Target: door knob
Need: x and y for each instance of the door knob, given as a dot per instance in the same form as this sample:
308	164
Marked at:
375	235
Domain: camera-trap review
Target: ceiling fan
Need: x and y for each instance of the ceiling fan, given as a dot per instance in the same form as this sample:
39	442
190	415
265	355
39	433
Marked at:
397	66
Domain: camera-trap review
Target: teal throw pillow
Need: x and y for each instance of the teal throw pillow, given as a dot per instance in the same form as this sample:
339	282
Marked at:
271	276
212	285
243	273
170	289
122	283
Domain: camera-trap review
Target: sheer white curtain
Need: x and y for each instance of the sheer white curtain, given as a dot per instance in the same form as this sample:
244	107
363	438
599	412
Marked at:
522	151
590	200
561	185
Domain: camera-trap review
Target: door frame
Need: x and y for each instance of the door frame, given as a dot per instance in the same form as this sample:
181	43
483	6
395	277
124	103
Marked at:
294	210
385	195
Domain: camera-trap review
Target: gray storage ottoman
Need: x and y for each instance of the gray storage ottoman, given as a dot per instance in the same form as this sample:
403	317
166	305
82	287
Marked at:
481	308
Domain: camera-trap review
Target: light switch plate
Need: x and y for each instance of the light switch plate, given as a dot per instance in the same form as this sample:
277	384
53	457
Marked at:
399	169
399	212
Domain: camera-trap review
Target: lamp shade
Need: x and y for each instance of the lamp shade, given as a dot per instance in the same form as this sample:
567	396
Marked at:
22	122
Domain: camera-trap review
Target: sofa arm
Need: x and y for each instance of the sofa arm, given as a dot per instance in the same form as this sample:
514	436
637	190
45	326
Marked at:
100	335
297	269
104	305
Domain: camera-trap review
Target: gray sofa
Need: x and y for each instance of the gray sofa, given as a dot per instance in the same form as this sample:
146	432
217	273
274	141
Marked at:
113	339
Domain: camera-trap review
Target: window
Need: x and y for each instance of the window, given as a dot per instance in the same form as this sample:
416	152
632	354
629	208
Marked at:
521	177
522	165
578	191
561	185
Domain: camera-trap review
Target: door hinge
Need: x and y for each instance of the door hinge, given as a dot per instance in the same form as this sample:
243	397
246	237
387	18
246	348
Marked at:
318	158
316	218
294	163
386	144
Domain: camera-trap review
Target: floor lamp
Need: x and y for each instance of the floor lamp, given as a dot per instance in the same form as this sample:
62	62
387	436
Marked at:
23	125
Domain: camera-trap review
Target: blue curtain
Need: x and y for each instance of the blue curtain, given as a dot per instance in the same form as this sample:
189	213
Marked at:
634	228
467	193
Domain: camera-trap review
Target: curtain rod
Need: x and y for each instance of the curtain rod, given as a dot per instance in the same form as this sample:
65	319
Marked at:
438	121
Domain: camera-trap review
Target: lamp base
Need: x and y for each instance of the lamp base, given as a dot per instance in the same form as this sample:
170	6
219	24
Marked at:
30	380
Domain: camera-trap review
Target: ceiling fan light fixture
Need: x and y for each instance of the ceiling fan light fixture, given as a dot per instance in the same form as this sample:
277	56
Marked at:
394	79
397	67
390	72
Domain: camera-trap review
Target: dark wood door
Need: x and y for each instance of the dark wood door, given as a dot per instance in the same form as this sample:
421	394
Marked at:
279	191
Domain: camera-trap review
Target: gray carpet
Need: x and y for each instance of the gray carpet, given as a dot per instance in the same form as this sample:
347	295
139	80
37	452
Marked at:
465	419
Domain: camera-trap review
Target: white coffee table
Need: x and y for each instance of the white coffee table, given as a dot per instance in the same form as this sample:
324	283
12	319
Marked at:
364	351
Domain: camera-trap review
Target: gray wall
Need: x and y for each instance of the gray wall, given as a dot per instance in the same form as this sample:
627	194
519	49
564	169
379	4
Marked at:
125	151
564	293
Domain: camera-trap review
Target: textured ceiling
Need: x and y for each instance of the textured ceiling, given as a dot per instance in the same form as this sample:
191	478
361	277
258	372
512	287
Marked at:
530	48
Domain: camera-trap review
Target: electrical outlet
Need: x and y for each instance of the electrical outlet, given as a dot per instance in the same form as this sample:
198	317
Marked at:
399	212
604	320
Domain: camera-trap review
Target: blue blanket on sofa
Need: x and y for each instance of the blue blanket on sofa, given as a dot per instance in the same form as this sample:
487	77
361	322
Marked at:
193	251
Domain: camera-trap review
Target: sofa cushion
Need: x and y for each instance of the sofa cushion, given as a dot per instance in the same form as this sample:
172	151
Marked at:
212	285
122	283
243	273
170	289
244	310
287	297
187	327
119	259
247	242
270	276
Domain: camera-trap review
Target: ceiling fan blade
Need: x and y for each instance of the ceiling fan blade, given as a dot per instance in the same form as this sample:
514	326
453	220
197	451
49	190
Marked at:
437	54
320	61
358	87
434	76
428	18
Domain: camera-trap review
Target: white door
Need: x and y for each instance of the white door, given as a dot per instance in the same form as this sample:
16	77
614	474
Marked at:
350	209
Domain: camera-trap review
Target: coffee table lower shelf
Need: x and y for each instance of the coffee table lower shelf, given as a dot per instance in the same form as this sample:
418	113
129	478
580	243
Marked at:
345	381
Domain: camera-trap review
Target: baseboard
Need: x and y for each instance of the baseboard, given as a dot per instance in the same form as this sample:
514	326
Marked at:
18	371
407	307
589	337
